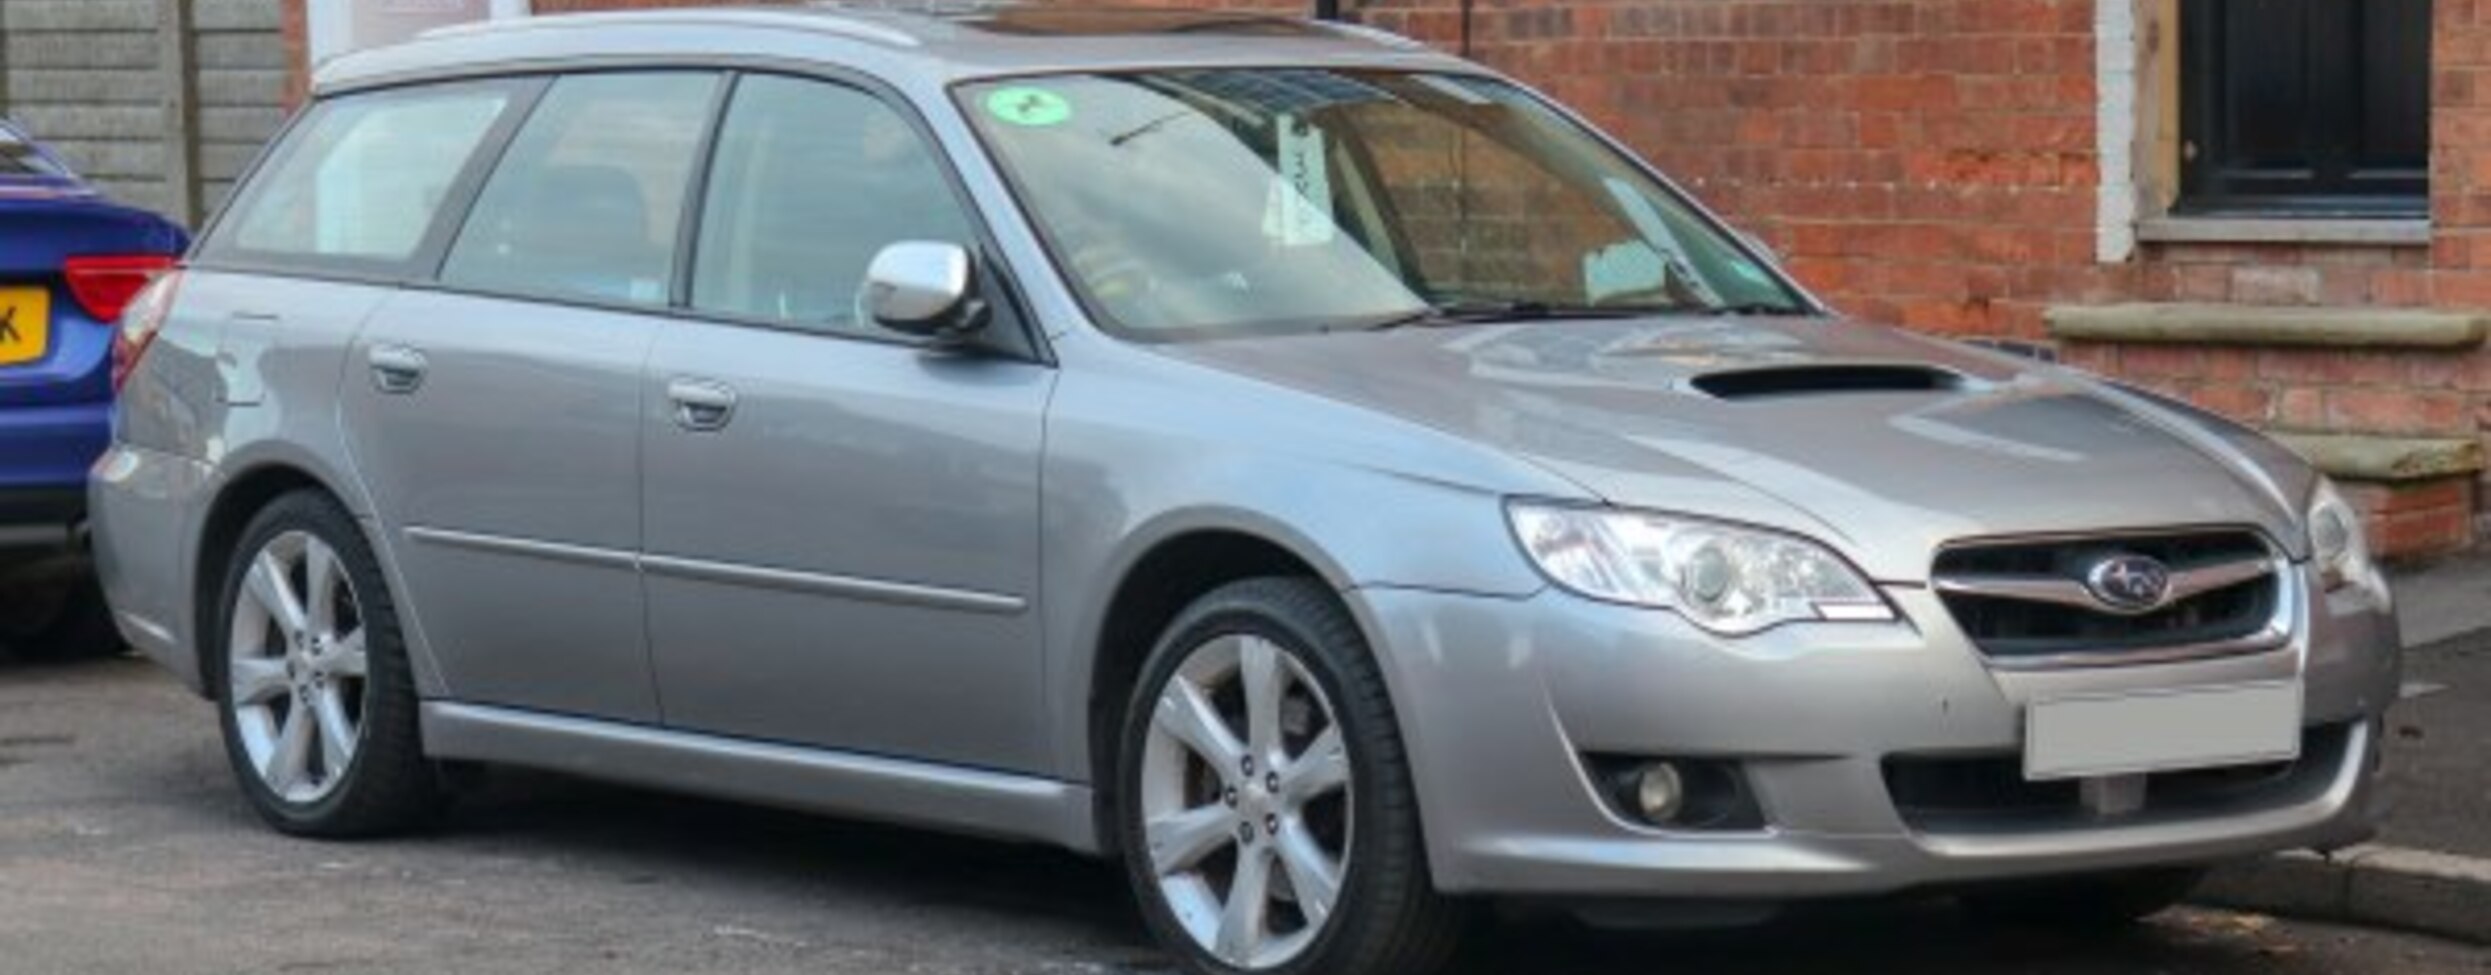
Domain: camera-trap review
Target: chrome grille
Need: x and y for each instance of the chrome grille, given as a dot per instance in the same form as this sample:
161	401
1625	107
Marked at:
2026	602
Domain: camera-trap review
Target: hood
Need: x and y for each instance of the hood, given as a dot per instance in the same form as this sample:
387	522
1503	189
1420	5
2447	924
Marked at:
1882	443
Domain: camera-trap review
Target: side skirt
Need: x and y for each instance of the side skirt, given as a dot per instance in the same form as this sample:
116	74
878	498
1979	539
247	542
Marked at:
976	802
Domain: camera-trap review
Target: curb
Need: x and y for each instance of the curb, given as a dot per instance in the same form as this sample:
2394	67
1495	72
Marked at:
2437	894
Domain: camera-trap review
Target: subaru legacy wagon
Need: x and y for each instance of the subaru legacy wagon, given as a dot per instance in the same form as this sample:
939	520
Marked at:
1318	473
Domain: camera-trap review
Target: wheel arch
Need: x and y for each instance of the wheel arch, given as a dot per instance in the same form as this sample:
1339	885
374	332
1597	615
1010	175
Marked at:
1153	584
242	497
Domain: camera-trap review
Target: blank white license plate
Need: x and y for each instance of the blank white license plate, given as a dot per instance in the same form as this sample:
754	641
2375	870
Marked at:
2162	731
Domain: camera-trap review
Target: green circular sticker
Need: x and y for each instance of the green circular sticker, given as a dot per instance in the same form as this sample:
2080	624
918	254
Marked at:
1033	107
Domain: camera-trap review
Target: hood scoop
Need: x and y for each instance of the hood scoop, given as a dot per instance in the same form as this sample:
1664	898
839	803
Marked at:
1828	379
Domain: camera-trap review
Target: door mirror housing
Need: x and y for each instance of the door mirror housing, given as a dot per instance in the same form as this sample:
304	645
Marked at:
927	289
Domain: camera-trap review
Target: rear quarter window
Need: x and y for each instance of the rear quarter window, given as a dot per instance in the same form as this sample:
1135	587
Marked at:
362	180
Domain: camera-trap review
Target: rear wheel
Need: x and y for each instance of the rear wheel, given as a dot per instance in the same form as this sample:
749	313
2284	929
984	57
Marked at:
1269	824
56	614
317	699
2095	902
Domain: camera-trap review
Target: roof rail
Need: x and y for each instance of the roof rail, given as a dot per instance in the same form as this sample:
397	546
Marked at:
926	8
1376	34
817	18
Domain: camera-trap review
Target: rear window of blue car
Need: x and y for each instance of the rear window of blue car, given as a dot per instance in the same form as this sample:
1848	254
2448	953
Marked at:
20	157
360	182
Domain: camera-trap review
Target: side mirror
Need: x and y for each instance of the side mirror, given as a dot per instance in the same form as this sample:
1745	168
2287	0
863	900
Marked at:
924	288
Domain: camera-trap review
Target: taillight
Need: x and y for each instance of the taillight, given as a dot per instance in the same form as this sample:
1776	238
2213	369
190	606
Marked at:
105	285
141	317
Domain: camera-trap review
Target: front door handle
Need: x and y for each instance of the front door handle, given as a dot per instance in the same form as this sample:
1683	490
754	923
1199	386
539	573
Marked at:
396	369
702	406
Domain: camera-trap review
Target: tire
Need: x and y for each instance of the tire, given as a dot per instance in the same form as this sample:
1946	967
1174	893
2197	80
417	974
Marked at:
1361	823
58	619
300	689
2090	903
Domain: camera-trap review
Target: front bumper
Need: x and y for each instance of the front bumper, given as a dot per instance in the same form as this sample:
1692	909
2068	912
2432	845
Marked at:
1500	700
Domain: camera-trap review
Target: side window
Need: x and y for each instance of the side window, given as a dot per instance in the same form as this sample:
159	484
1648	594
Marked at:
586	202
812	180
363	178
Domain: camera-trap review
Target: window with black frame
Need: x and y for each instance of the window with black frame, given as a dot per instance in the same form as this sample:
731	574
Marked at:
2305	107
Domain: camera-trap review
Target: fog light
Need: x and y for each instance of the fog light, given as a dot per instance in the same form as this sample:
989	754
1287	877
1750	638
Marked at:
1660	792
1676	793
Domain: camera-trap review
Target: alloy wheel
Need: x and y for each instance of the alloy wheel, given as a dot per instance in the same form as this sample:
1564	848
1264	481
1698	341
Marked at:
1245	798
297	668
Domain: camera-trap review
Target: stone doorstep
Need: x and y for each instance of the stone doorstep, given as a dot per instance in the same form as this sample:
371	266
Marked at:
2208	324
2437	894
2387	460
2414	492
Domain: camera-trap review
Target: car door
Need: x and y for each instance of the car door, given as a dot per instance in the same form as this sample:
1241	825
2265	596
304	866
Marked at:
497	416
842	525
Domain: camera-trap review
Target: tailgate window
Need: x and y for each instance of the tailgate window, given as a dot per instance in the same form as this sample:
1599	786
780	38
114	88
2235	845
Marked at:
20	157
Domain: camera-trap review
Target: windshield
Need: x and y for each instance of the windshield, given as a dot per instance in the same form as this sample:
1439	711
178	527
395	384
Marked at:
20	158
1193	204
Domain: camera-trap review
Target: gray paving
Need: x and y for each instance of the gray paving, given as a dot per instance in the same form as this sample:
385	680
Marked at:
124	850
2444	599
2439	751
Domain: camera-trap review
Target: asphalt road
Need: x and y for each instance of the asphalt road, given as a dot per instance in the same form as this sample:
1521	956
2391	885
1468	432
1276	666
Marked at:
2439	749
124	849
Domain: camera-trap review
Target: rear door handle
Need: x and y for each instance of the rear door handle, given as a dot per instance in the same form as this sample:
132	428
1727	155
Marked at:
396	369
701	405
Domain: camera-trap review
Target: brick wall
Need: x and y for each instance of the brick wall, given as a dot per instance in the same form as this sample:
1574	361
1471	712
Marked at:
1935	164
1929	163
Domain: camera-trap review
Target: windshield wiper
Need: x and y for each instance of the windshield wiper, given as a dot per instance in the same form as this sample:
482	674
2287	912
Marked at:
1496	312
1761	309
1147	128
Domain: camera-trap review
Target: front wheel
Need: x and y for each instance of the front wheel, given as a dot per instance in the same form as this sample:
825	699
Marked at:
1268	819
317	700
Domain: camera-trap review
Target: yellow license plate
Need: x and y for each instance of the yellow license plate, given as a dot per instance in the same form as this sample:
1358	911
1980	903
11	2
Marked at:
25	325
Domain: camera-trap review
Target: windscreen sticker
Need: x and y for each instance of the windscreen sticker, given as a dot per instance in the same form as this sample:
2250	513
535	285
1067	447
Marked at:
1035	108
1300	211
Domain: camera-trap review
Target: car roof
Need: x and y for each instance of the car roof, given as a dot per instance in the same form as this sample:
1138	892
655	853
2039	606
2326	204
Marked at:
934	41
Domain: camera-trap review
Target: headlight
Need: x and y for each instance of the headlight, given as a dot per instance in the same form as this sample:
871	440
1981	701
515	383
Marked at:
2336	541
1724	578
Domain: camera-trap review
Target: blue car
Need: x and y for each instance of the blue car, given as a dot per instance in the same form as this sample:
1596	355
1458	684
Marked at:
70	262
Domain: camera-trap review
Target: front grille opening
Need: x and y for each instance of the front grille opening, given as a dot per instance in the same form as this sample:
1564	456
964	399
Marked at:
2069	556
1784	381
2013	628
1987	791
2004	626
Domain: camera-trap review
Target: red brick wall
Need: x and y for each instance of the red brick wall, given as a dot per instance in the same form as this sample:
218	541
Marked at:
1929	163
1932	163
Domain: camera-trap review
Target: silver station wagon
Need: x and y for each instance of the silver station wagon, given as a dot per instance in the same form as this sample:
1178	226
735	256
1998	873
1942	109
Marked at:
1318	473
